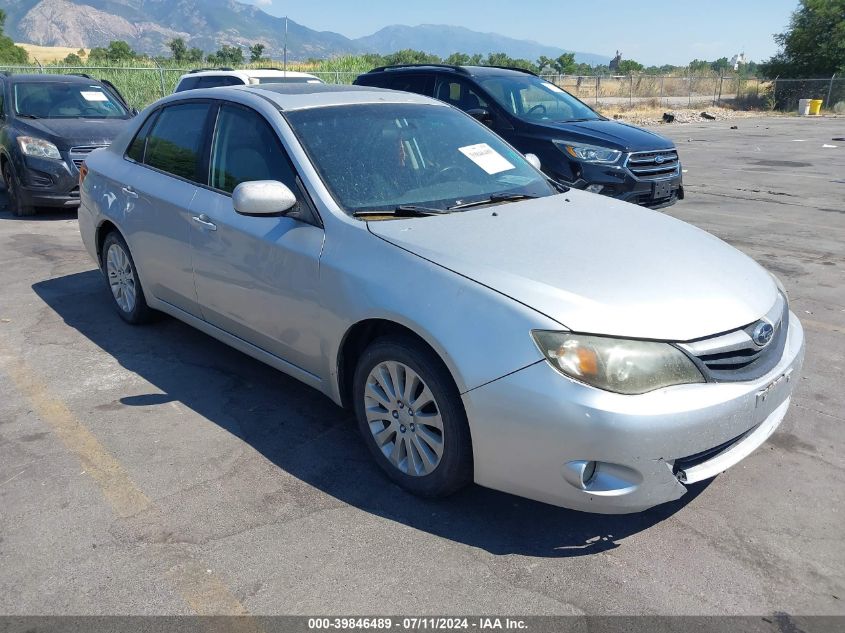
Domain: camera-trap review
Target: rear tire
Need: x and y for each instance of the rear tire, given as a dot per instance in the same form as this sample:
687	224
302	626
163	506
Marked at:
411	417
118	268
16	204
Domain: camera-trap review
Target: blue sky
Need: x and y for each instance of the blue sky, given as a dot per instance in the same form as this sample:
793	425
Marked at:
650	31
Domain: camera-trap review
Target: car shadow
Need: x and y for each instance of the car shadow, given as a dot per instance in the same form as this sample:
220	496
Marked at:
42	214
305	434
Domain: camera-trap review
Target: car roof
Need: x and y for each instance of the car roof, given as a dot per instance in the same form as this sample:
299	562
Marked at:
300	96
248	72
50	78
466	71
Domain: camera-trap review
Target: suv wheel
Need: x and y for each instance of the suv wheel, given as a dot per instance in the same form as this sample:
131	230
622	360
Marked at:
16	205
411	417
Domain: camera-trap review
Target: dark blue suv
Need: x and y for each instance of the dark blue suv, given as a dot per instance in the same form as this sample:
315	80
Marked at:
576	145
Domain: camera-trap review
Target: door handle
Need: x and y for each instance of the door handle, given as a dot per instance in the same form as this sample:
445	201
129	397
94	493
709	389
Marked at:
130	192
203	219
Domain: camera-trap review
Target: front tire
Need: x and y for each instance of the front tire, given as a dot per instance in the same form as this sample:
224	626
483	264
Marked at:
122	277
16	203
411	417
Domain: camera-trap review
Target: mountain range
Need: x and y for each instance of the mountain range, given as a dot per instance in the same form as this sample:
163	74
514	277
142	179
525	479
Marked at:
149	24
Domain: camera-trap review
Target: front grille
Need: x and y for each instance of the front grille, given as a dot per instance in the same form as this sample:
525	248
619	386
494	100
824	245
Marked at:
734	356
78	154
655	165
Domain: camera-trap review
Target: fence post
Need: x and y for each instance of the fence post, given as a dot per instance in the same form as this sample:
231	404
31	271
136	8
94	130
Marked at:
597	89
689	91
757	92
661	89
715	89
775	94
719	100
337	76
160	77
631	89
829	92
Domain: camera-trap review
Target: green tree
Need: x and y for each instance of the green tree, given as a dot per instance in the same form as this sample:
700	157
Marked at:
178	49
116	51
410	56
721	65
73	60
814	44
565	64
194	55
458	59
629	66
227	56
8	51
255	52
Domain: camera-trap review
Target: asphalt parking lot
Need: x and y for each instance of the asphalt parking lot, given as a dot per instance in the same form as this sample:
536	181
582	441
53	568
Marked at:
155	471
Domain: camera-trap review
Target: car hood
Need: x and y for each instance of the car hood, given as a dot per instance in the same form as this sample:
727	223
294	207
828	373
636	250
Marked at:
609	133
596	265
66	133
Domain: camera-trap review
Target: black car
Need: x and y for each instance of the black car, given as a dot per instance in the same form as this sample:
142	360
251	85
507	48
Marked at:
48	125
575	145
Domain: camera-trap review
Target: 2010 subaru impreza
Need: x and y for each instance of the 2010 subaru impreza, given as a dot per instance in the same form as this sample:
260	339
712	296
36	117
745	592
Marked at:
485	323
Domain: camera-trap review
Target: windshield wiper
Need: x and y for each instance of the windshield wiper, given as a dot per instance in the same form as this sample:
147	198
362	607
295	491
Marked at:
498	197
28	116
401	211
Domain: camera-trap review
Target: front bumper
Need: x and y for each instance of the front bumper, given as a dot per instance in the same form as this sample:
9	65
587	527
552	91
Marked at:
46	182
617	182
532	430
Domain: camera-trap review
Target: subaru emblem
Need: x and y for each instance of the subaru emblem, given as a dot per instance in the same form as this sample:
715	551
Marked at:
763	333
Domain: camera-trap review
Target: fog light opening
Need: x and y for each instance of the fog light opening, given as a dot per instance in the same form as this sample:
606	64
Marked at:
594	188
588	474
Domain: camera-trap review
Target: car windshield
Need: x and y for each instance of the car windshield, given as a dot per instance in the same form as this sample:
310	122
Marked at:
383	156
62	100
534	99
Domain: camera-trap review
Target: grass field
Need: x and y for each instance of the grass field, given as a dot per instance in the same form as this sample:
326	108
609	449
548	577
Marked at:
49	54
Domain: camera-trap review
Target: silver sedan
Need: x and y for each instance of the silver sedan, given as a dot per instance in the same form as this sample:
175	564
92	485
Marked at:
484	323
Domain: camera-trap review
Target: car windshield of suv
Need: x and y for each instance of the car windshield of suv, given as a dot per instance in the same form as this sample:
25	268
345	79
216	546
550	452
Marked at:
382	156
534	99
62	100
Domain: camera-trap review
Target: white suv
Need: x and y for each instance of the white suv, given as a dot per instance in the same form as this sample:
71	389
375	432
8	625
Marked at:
225	77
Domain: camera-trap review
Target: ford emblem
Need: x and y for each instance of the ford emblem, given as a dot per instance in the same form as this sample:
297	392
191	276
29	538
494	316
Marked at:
659	159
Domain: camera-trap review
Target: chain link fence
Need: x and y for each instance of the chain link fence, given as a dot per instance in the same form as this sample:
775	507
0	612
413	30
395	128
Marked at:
141	85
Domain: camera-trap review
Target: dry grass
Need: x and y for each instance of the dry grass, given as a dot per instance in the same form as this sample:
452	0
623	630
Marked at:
49	54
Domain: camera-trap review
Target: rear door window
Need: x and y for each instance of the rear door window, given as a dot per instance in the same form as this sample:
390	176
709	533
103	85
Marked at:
176	141
460	94
420	84
214	81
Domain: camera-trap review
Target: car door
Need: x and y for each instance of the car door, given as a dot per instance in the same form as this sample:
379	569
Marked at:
158	190
256	277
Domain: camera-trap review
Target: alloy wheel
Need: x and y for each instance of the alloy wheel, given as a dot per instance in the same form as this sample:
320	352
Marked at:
121	277
404	418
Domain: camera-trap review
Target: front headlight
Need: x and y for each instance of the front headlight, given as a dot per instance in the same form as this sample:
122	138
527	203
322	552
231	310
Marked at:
619	365
38	147
589	153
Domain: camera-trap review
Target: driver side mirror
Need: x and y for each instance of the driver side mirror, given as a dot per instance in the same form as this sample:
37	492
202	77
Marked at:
263	197
481	114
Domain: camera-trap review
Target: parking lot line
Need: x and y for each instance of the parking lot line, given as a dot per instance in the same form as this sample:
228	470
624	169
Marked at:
124	497
203	591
